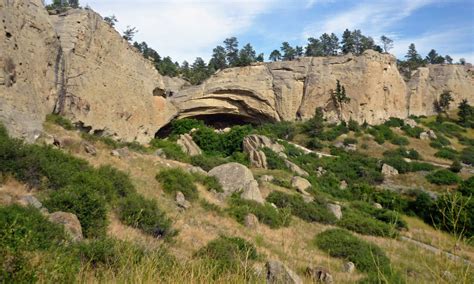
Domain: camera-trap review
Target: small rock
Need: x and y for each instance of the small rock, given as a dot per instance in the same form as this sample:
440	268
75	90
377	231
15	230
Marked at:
424	136
89	148
343	184
181	201
273	205
63	142
410	122
251	221
348	267
188	145
319	274
448	276
71	224
266	178
308	198
335	209
277	272
301	184
121	153
432	134
197	170
320	171
5	199
388	170
252	192
378	205
30	200
296	169
160	153
350	147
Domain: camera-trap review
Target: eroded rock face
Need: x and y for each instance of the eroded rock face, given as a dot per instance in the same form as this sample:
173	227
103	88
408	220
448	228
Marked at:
111	88
233	177
29	50
71	224
188	145
278	272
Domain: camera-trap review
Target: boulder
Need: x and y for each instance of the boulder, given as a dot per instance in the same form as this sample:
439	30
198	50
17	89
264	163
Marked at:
258	159
253	144
252	192
335	209
89	148
377	205
301	184
197	170
188	145
233	177
389	171
319	275
350	147
296	169
266	178
424	136
30	200
160	153
410	122
432	134
251	221
343	184
278	273
181	201
71	224
320	171
121	153
63	142
348	267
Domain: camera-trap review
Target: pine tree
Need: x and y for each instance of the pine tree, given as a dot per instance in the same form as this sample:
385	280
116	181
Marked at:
387	43
218	60
247	55
465	112
347	42
314	47
289	52
339	99
275	56
232	51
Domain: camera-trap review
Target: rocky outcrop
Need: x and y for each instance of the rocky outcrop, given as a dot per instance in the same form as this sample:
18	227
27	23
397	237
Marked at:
278	272
29	51
71	224
301	184
388	170
335	209
253	144
188	145
109	87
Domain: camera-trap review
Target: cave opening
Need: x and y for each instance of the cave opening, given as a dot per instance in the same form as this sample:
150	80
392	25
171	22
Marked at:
217	121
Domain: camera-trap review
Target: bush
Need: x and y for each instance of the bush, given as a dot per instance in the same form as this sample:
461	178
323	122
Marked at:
403	152
348	141
25	228
310	212
467	155
120	181
206	162
412	131
265	213
283	130
353	125
86	204
333	132
99	251
274	161
224	144
174	180
467	187
394	122
209	182
387	216
315	144
404	167
60	120
182	126
455	167
447	153
366	225
399	140
367	257
144	214
228	253
443	177
171	149
436	144
381	133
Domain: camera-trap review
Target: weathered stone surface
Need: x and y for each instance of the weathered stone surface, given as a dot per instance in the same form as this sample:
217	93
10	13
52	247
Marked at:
120	153
71	224
335	209
188	145
319	275
377	205
348	267
29	50
252	192
89	148
266	178
301	184
432	134
5	199
258	159
343	184
181	201
233	177
410	122
389	171
296	169
424	136
251	221
253	144
278	273
30	200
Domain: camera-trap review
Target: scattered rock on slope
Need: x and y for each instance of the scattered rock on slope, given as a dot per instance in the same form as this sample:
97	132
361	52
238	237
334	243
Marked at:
188	145
389	171
71	224
301	184
278	273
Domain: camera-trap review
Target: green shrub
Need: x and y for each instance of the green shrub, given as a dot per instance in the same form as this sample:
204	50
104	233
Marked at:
265	213
228	253
209	182
390	200
447	153
421	167
283	130
274	161
353	125
25	228
174	180
399	140
315	144
210	206
206	162
333	132
412	131
394	122
282	182
120	181
367	257
60	120
467	155
310	212
144	214
364	224
381	133
86	204
404	167
455	167
436	144
171	149
182	126
443	177
348	141
387	216
403	152
224	144
467	187
109	253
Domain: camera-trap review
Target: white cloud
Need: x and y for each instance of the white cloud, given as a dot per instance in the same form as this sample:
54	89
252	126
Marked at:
184	29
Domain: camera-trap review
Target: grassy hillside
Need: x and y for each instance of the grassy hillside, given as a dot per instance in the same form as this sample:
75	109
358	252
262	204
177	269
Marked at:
134	230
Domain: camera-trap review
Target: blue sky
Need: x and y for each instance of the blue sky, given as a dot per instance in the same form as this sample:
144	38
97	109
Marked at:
185	29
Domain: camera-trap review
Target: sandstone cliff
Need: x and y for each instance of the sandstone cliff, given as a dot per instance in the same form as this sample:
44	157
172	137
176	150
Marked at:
29	51
292	90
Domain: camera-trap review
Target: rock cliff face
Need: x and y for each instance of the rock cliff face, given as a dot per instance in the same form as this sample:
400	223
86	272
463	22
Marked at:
292	90
110	89
28	53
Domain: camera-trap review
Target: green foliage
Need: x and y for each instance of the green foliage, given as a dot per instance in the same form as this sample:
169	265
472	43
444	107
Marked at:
348	141
144	214
399	140
224	144
404	167
467	187
120	181
274	161
314	126
381	133
443	177
228	253
60	120
365	224
353	125
210	206
387	216
266	214
466	113
404	153
310	212
209	182
366	256
283	130
447	153
182	126
467	155
394	122
207	162
315	144
455	167
333	132
412	131
86	204
174	180
171	149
